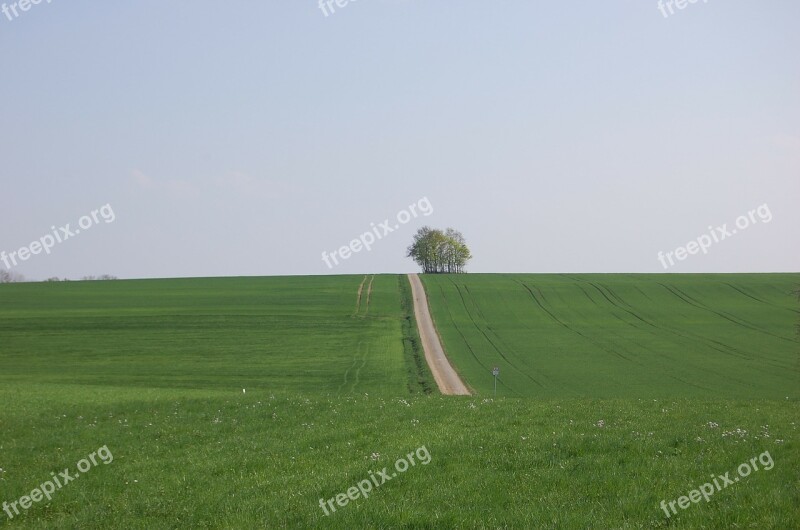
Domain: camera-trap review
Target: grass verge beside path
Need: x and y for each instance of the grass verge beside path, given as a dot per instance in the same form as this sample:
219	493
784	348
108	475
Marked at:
419	373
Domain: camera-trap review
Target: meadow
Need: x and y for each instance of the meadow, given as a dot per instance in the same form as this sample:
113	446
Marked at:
155	370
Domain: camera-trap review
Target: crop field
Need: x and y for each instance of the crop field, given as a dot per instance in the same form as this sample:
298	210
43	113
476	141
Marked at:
616	335
155	370
298	334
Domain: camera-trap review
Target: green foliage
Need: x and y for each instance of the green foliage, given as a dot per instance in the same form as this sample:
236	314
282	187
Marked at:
439	252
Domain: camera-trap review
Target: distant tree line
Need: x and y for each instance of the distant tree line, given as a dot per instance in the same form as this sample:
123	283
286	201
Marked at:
84	279
439	252
13	277
10	277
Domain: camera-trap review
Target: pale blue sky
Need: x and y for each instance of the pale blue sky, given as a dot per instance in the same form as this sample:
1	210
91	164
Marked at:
244	138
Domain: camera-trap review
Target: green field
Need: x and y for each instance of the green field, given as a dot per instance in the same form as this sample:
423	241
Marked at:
154	370
293	334
723	335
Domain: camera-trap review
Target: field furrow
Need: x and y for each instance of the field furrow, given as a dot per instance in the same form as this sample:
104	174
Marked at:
622	335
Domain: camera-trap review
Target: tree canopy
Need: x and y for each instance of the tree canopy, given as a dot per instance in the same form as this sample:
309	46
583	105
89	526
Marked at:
439	252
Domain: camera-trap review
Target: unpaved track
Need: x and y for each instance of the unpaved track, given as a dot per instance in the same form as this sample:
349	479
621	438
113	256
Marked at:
446	377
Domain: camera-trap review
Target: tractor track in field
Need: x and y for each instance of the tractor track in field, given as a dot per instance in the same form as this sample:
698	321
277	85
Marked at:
714	345
447	379
358	296
356	360
695	303
499	352
455	326
628	308
369	294
692	337
567	326
760	300
361	297
624	306
596	343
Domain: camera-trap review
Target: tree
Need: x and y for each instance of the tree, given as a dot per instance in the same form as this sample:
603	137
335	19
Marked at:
10	277
457	253
439	252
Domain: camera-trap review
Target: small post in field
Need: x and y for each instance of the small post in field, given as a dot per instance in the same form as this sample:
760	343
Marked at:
495	373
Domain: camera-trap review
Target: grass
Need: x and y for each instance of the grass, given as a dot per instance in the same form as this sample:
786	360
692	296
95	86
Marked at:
154	370
298	334
420	379
210	459
616	336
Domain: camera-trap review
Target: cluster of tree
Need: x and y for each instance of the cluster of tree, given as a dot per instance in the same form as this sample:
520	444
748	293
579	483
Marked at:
10	277
13	277
439	252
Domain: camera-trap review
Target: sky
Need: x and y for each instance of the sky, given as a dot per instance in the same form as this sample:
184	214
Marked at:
247	138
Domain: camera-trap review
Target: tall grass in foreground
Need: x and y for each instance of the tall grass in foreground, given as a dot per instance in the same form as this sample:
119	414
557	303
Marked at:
210	459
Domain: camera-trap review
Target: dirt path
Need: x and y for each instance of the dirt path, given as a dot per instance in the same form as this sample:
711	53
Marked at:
443	372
